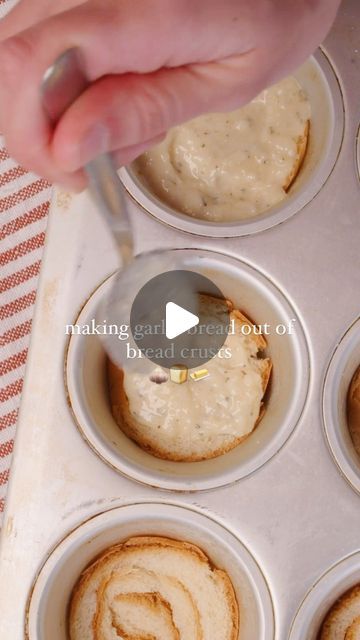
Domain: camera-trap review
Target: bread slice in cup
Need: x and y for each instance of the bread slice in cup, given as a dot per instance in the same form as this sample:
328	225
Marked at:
153	587
197	420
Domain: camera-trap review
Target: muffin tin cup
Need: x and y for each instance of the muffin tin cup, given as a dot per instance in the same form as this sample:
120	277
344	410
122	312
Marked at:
343	364
261	300
48	604
322	595
320	82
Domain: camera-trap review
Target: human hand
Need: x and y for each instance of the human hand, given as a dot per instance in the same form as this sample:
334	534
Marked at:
152	64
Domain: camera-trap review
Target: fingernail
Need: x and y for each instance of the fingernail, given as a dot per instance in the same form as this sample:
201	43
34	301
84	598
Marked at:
95	142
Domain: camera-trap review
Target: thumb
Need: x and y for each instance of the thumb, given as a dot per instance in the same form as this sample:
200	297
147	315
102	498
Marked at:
121	112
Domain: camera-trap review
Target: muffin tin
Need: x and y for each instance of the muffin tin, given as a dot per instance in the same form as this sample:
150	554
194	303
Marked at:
276	512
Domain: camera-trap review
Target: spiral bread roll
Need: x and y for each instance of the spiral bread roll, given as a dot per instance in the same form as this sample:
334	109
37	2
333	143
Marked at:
196	420
354	410
343	620
153	588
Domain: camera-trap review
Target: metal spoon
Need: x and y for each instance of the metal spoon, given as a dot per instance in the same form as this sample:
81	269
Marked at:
62	84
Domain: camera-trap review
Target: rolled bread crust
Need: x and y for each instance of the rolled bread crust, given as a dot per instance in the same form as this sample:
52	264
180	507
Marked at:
185	614
335	622
121	411
142	542
158	541
148	604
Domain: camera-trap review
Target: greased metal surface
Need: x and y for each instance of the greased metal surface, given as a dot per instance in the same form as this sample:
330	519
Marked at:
296	515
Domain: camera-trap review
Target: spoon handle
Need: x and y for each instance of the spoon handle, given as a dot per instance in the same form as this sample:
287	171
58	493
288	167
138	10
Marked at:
62	84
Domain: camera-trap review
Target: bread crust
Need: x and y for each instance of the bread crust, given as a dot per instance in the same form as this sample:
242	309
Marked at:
353	632
151	601
340	608
302	145
124	418
353	410
144	542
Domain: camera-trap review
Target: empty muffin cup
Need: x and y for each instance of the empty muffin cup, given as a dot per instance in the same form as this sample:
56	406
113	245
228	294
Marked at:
343	364
320	598
259	299
318	79
48	607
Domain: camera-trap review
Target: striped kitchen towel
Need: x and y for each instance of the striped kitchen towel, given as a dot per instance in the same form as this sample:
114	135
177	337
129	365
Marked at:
24	205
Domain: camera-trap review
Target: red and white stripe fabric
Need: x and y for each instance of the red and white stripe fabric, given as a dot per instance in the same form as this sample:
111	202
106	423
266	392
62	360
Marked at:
24	205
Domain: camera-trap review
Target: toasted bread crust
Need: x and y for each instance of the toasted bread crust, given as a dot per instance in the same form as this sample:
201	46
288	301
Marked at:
302	145
353	410
124	418
340	608
353	632
158	541
161	541
150	601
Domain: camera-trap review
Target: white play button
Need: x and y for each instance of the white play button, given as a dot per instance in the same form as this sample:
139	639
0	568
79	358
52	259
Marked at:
178	320
173	323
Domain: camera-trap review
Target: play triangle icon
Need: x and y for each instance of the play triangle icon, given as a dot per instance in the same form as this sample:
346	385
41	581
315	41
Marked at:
178	320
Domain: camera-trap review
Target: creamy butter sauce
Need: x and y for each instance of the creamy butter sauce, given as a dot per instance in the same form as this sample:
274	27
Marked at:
230	166
203	416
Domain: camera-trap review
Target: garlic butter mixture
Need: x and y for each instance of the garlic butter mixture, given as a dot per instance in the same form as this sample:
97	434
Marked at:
200	419
230	166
